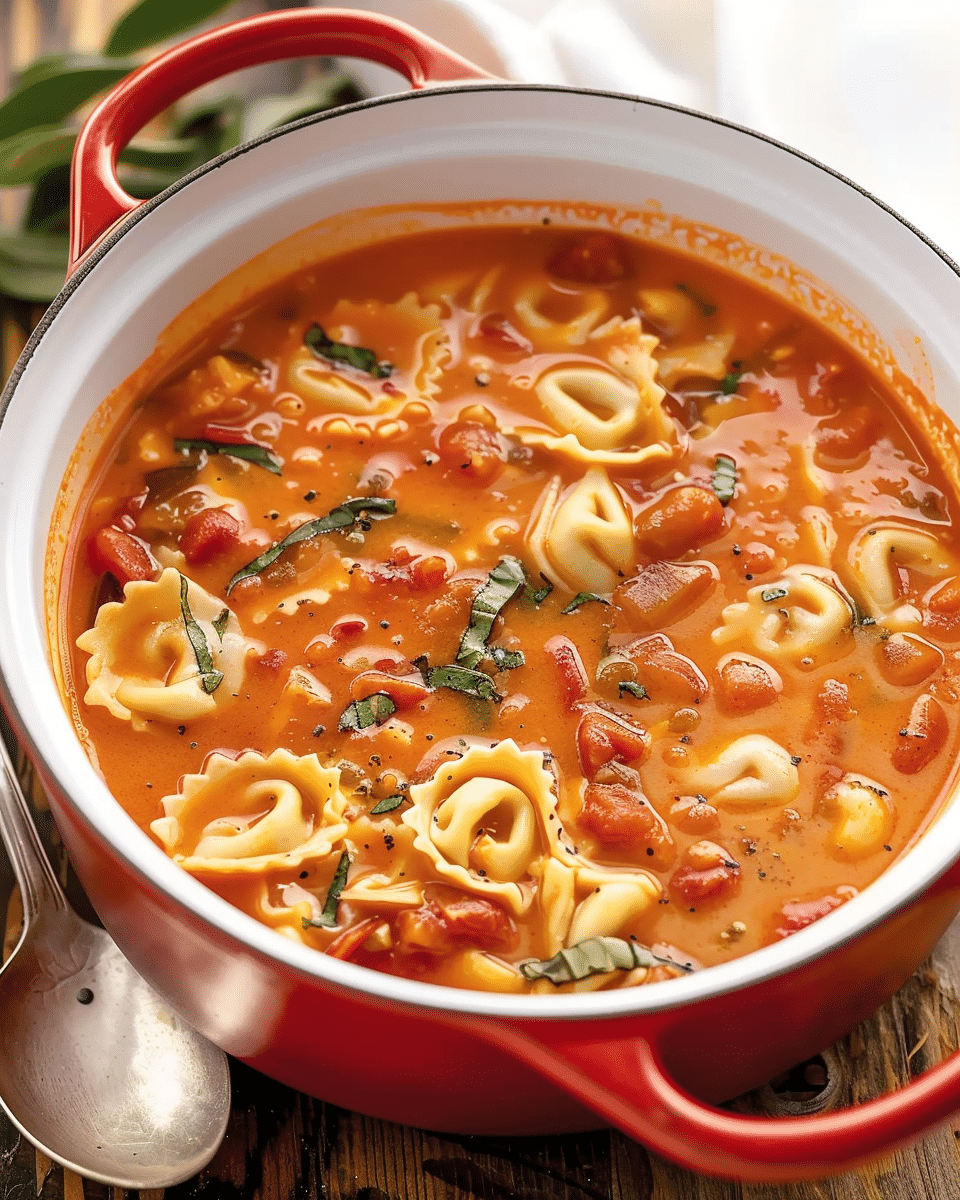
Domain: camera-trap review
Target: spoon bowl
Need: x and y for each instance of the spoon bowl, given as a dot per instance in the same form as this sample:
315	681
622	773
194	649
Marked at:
95	1069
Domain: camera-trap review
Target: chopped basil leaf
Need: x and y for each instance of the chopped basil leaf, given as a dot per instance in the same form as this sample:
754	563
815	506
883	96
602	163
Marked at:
344	516
774	593
633	689
724	480
534	595
388	804
210	677
328	917
583	598
354	356
707	308
251	452
730	382
506	660
501	585
861	619
220	624
361	714
595	956
461	679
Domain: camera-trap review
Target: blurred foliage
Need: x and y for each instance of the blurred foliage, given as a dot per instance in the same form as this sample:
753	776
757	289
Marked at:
39	125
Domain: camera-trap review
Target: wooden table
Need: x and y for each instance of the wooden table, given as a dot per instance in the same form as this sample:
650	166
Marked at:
284	1145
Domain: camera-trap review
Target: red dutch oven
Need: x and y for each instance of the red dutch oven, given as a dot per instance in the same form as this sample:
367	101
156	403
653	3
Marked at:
653	1061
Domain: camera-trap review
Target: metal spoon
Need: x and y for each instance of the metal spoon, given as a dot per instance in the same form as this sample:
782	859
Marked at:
95	1069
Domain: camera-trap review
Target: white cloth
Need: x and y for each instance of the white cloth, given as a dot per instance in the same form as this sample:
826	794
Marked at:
869	87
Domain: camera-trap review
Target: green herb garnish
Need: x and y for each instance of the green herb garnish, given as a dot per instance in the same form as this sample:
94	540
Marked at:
210	677
220	623
344	516
249	452
361	714
328	917
532	595
724	481
388	804
707	308
583	598
463	680
354	356
506	660
637	690
501	585
768	595
730	382
595	956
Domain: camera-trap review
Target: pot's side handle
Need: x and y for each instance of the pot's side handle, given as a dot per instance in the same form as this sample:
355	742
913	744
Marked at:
627	1083
98	200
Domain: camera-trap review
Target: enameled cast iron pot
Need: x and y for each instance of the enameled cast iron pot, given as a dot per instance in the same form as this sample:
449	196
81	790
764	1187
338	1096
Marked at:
650	1060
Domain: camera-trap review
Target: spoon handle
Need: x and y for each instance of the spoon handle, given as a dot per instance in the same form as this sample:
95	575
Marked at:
39	886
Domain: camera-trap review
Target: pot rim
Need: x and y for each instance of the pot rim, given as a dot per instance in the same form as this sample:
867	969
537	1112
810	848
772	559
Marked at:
903	881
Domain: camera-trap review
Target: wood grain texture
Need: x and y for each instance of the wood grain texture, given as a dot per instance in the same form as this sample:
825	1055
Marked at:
282	1145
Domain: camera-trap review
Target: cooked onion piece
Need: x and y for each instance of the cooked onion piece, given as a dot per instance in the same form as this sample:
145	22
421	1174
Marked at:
143	665
708	359
752	772
326	384
253	814
862	816
487	820
803	617
582	537
876	558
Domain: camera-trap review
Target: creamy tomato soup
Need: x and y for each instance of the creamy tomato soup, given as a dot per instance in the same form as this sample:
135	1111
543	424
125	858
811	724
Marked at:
521	608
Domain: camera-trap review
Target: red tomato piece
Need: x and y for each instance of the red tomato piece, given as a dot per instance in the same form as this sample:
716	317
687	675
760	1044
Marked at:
592	258
495	328
231	435
798	914
602	737
573	675
208	534
707	873
125	557
346	944
620	816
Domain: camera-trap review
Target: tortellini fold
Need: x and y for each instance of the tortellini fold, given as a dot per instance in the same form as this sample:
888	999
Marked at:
251	814
803	617
143	665
486	820
875	558
582	538
752	772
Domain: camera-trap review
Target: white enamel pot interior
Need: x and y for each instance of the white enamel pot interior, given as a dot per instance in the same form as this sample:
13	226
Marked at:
488	142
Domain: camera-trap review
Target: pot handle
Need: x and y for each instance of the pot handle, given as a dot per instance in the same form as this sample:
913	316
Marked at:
97	199
626	1082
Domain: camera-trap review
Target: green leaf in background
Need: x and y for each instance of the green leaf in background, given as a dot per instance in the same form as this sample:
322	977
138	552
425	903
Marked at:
25	157
172	154
216	124
269	112
32	265
49	97
49	208
153	21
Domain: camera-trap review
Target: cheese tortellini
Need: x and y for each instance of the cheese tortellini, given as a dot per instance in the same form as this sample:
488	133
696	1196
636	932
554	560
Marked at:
875	558
144	665
486	821
804	617
583	537
752	772
247	815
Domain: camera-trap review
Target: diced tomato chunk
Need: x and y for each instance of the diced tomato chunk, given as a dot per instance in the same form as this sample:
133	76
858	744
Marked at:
346	944
124	556
495	328
620	816
907	660
707	873
922	739
474	451
664	591
798	914
573	675
208	534
602	737
405	691
592	258
437	928
744	686
683	519
231	435
664	671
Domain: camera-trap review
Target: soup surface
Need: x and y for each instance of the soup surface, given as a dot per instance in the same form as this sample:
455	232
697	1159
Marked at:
521	608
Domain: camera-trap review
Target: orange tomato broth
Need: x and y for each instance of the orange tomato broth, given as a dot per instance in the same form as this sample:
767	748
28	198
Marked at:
732	877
